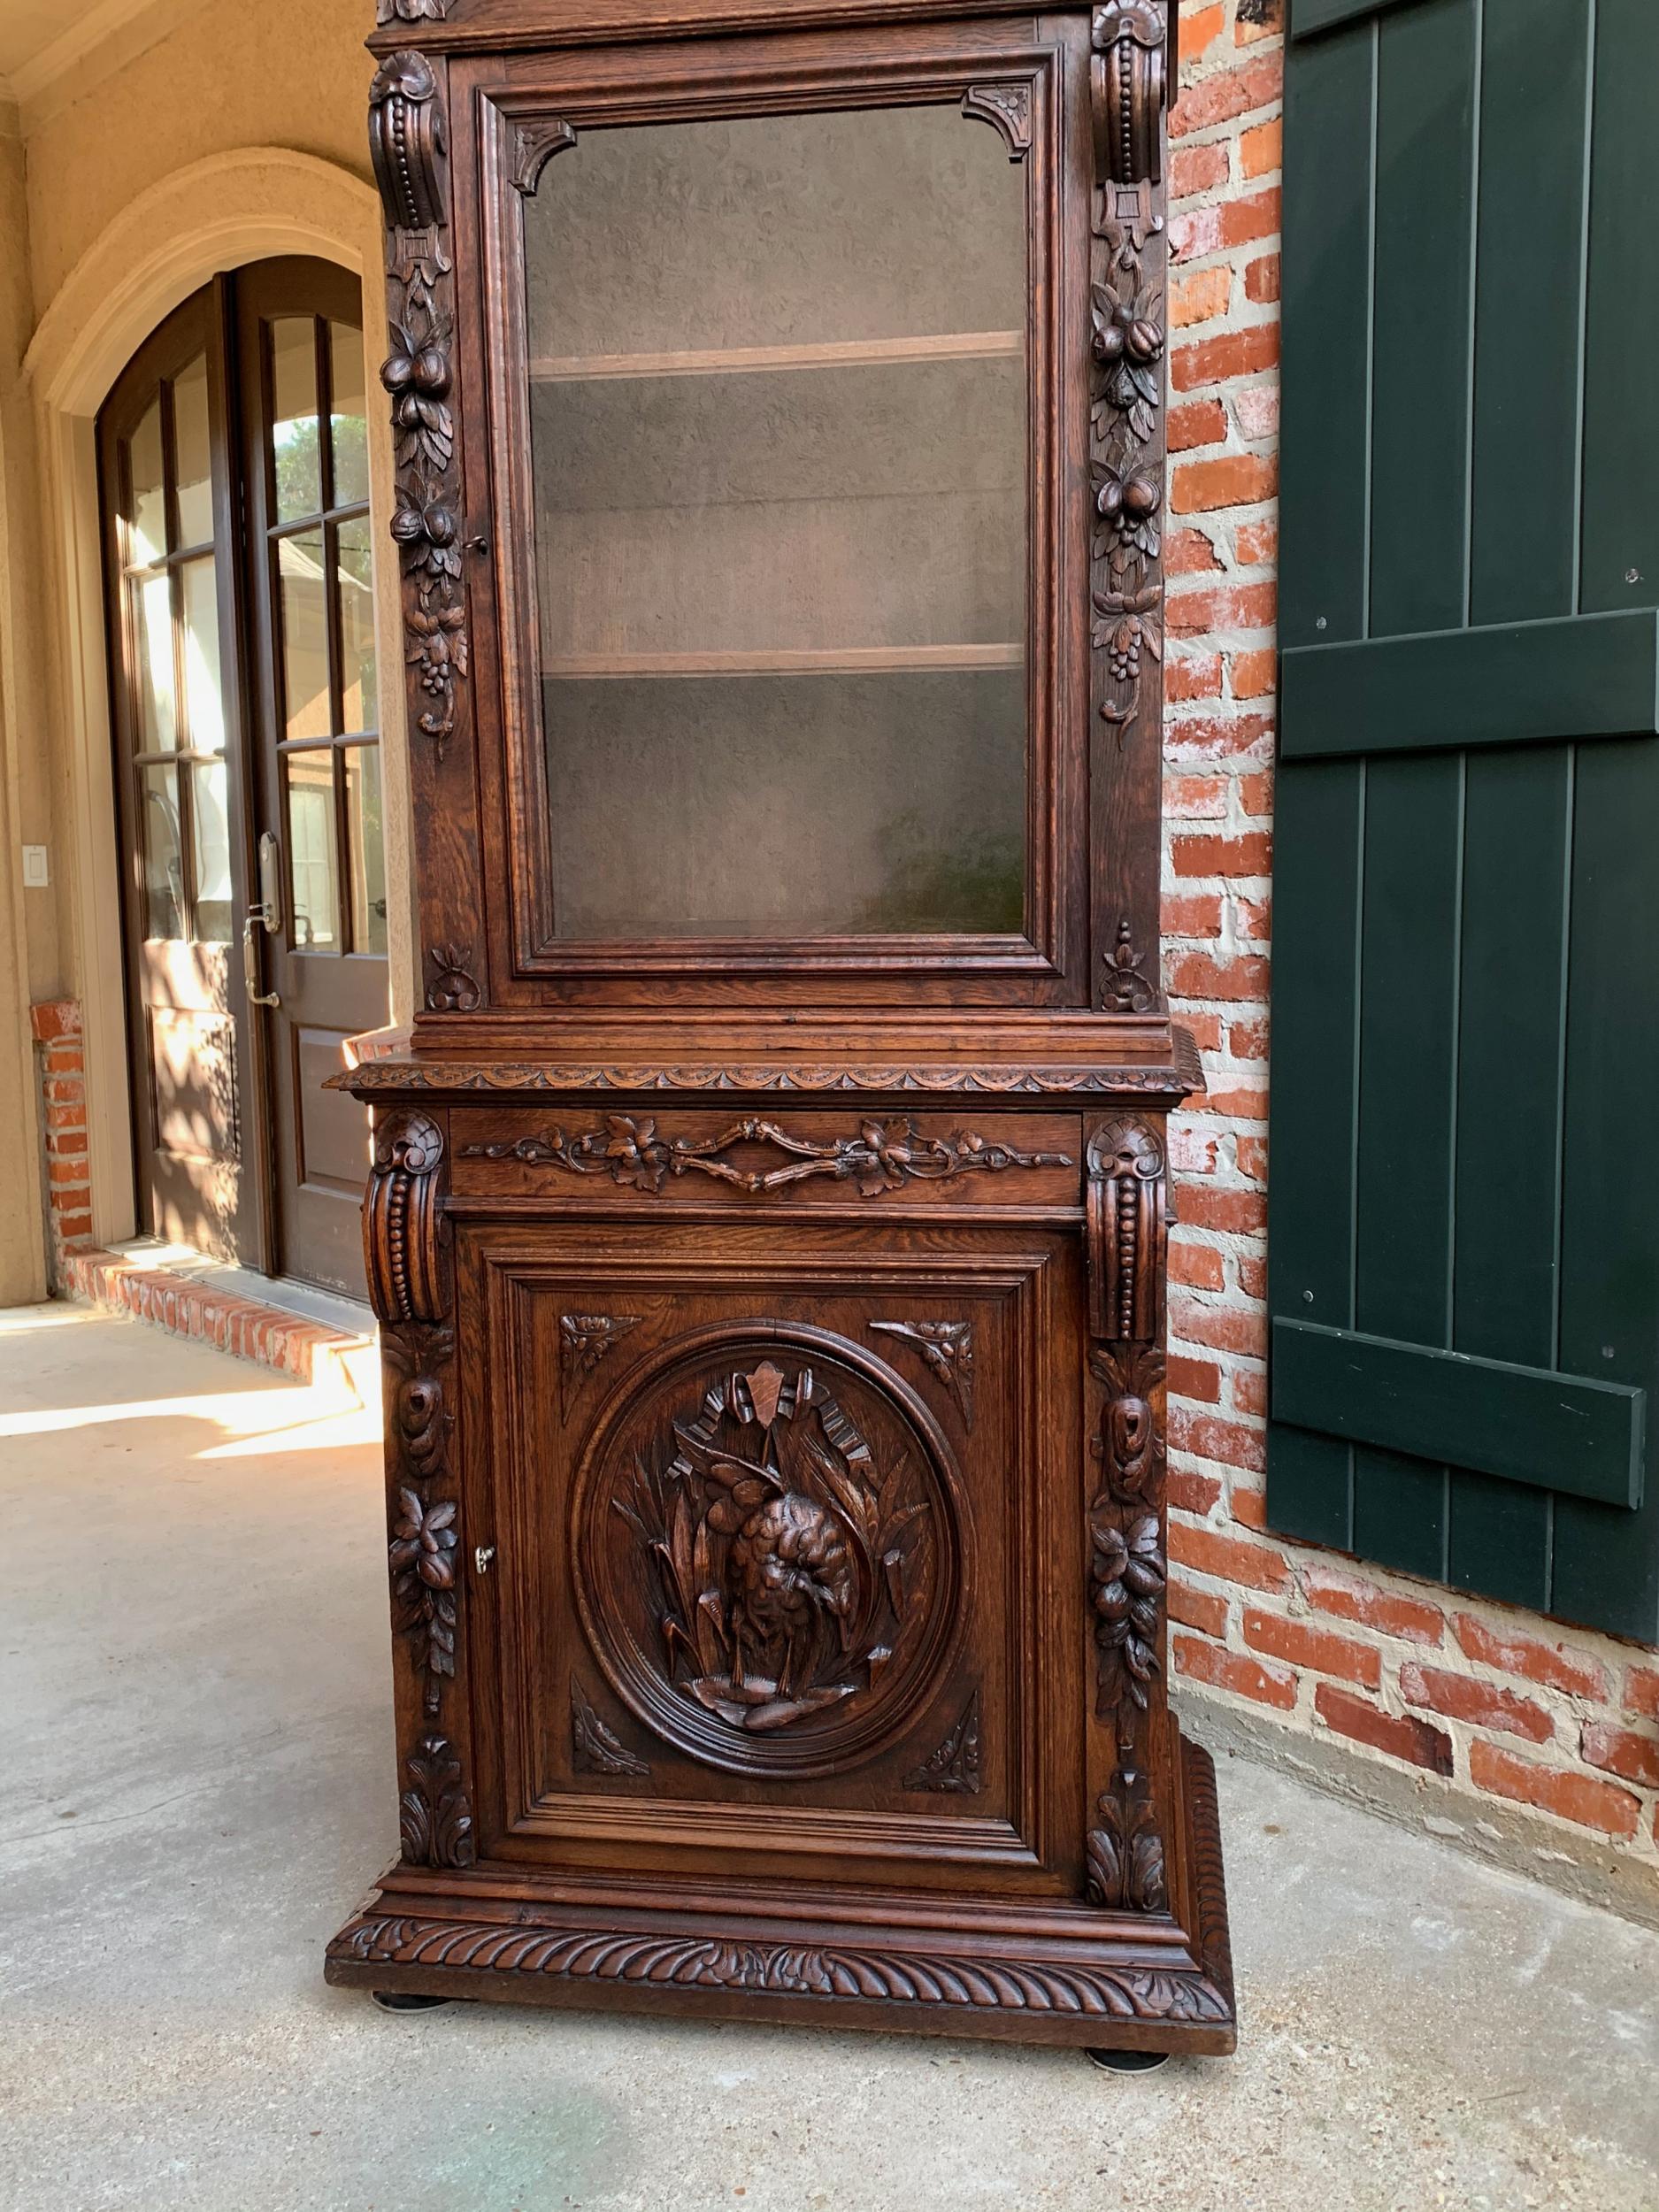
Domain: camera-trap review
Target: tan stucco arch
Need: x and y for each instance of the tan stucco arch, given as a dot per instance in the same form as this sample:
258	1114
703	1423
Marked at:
234	207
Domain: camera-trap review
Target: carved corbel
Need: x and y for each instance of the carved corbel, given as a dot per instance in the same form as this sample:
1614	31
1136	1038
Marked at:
1128	1233
407	140
401	1232
1133	80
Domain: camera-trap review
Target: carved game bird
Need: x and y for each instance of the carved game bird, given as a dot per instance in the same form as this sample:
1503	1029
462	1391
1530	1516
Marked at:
791	1570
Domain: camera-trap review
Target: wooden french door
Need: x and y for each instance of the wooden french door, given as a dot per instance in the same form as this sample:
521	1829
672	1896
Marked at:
245	695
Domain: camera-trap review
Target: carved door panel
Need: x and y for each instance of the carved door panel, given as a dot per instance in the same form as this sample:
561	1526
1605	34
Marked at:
793	1514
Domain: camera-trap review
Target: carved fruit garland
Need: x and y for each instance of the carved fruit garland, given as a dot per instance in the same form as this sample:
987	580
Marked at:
411	160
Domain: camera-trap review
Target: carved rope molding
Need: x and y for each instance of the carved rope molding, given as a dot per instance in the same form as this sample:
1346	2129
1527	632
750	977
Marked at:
950	1979
882	1157
406	137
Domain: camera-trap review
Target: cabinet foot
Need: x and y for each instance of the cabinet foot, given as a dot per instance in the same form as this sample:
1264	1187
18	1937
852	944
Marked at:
1128	2061
407	2001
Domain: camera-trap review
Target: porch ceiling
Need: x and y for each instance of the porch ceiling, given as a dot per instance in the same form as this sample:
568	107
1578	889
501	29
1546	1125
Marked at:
40	41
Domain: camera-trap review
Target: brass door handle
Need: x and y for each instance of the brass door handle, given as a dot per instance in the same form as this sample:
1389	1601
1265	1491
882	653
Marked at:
250	961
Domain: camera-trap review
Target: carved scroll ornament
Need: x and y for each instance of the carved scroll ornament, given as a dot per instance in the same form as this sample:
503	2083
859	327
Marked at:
401	1244
882	1157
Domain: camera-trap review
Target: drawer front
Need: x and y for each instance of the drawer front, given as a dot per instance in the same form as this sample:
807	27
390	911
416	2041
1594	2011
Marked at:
835	1157
779	1524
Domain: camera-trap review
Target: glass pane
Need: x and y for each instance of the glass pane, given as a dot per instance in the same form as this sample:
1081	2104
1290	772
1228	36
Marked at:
352	419
204	698
368	849
302	567
211	831
148	541
157	706
296	437
195	455
354	581
164	877
312	853
780	456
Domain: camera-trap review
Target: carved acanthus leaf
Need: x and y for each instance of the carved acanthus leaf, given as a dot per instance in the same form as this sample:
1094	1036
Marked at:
435	1815
453	988
1125	1852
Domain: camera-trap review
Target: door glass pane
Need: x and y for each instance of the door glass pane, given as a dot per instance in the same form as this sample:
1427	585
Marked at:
350	411
163	880
367	848
296	437
780	450
192	438
203	696
157	706
147	542
354	583
302	566
313	854
211	831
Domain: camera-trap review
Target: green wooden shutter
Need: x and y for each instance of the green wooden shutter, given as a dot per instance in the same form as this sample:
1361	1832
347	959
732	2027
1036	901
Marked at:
1465	1187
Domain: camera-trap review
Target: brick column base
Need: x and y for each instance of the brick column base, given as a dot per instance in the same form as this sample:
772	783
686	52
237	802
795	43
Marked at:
56	1024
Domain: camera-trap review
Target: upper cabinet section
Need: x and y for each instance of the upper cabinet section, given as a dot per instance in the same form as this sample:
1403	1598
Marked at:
780	408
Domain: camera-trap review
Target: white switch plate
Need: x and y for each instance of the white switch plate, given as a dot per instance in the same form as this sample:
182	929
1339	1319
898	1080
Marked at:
35	877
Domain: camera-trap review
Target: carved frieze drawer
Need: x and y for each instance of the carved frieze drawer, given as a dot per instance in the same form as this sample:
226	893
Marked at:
839	1158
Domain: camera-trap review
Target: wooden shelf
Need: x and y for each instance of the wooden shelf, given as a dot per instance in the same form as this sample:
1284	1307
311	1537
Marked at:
852	353
832	660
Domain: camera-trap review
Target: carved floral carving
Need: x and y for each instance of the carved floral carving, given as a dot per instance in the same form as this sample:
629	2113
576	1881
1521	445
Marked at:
1127	989
595	1749
787	1566
410	162
390	11
423	1551
882	1157
948	1348
957	1977
417	1422
453	988
800	1078
584	1340
953	1768
436	1821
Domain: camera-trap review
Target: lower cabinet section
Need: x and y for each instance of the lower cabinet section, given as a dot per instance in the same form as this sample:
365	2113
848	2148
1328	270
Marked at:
777	1524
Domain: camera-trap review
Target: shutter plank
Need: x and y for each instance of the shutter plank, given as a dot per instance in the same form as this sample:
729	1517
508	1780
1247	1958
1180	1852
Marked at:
1320	827
1311	17
1607	1564
1529	309
1421	340
1529	1424
1326	283
1409	965
1621	453
1512	1012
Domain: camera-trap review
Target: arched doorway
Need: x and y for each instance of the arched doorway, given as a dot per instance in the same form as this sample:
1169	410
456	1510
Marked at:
245	691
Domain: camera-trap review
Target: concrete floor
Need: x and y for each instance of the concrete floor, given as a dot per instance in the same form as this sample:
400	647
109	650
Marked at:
199	1790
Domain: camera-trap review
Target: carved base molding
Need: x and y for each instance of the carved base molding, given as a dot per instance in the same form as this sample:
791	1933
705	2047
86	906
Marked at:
1036	1974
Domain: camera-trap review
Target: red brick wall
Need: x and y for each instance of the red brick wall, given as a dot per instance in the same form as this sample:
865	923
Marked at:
1499	1704
56	1024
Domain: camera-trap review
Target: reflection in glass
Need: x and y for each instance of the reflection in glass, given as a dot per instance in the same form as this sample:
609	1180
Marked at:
296	437
313	860
205	700
302	574
193	441
780	459
351	413
149	541
367	848
163	876
158	705
354	581
210	833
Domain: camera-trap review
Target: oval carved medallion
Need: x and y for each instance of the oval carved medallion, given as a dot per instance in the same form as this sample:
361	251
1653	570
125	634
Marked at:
768	1546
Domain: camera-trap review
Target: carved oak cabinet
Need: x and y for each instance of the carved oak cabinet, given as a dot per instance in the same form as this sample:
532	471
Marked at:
767	1215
